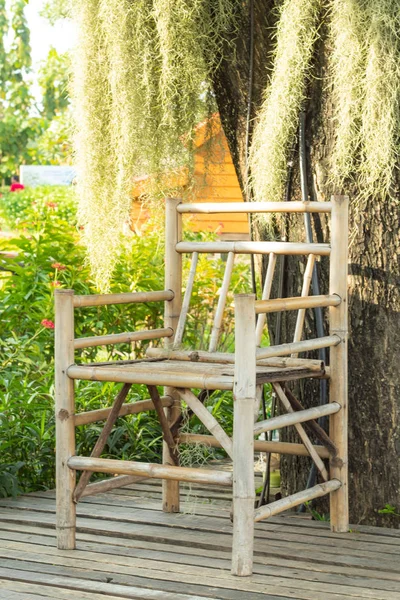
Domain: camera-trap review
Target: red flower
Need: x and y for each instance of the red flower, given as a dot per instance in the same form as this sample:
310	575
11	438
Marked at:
58	266
51	204
56	284
47	323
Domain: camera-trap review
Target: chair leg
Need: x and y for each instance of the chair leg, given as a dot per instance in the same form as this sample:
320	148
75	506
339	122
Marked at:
243	487
170	489
243	436
338	424
65	425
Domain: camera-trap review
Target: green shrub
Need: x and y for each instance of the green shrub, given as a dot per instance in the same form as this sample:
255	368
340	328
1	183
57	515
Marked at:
51	255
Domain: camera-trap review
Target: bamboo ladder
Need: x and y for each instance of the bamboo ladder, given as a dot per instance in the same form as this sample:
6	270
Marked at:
180	371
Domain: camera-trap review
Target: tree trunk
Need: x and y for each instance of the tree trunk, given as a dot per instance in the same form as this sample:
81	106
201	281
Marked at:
374	299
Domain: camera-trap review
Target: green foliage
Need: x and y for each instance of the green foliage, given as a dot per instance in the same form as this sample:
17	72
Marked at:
28	133
52	145
317	516
51	255
53	79
389	509
9	484
3	34
141	84
20	53
54	10
17	127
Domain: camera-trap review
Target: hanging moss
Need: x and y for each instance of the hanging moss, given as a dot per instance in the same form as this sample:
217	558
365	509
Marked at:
140	87
142	83
380	126
278	119
366	79
347	67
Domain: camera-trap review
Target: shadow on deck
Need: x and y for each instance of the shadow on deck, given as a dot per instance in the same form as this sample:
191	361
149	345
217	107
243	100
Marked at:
128	548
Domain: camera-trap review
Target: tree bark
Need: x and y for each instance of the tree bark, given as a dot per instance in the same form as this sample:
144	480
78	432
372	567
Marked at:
374	278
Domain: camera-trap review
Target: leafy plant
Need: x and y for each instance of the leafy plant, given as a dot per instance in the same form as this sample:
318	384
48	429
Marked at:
389	509
51	255
9	484
317	516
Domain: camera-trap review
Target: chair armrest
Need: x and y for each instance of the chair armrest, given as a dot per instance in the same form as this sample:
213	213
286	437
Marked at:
127	298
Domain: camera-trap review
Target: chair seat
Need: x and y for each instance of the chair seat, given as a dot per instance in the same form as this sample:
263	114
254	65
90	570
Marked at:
182	374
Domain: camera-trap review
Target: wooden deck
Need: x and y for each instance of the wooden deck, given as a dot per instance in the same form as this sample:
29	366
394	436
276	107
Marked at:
128	548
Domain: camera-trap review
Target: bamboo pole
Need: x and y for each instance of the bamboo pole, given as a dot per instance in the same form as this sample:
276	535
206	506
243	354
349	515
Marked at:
321	489
298	333
308	363
229	358
189	380
287	248
186	301
258	400
317	430
127	298
207	419
173	281
301	432
162	417
103	437
254	207
219	314
122	338
152	470
304	346
65	428
259	445
265	296
243	439
113	483
132	408
296	417
281	304
338	361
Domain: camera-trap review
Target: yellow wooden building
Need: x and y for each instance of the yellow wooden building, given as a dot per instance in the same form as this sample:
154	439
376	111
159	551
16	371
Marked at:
215	180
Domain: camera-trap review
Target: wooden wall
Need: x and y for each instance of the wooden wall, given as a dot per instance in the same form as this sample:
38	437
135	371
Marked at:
215	180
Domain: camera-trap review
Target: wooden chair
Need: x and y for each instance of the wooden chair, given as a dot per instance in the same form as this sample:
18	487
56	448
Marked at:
244	372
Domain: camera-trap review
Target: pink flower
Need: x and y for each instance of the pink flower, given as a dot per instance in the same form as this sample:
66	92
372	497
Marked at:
59	266
56	284
51	204
47	323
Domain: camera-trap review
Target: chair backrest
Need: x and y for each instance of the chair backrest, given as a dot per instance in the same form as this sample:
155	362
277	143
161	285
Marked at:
177	310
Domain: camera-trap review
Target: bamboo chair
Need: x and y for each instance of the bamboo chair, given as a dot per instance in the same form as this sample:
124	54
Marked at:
243	372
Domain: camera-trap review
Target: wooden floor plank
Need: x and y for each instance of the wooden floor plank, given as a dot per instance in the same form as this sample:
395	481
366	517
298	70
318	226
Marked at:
208	539
308	534
204	591
277	586
189	553
81	589
172	554
213	524
128	548
7	592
